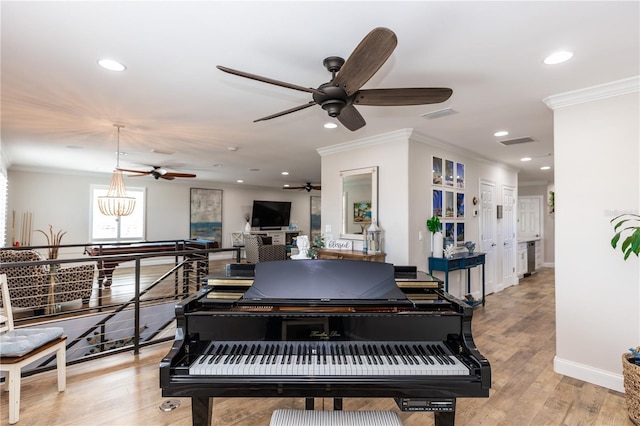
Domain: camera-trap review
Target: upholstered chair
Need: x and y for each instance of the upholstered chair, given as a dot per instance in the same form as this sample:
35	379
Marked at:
257	251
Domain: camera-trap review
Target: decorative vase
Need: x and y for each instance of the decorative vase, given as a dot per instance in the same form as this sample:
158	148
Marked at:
437	246
631	374
247	227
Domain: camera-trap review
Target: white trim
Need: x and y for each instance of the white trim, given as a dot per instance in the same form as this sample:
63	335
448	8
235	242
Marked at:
589	374
602	91
403	134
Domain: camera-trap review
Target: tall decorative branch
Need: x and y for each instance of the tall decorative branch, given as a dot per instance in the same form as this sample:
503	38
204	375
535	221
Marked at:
53	241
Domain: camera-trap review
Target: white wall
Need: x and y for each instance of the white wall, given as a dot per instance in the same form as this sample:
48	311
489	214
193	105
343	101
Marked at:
597	151
63	200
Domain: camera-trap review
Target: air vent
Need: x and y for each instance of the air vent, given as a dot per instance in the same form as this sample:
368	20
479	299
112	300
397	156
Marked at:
438	114
517	141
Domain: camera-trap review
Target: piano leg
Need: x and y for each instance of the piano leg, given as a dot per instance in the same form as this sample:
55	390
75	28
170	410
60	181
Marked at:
201	411
308	403
337	404
444	418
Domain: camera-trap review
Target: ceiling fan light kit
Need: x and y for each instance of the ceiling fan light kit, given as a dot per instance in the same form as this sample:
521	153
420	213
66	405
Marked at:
117	202
339	95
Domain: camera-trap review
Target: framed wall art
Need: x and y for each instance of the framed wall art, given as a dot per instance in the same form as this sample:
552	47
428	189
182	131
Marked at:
436	171
316	217
206	214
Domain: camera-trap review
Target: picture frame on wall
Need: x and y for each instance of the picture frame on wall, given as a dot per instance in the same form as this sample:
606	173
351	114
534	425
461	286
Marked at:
362	212
449	204
315	220
205	212
460	233
460	175
449	233
460	205
436	171
448	172
437	202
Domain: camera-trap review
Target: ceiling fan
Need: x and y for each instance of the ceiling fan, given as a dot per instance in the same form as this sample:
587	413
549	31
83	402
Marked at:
158	172
339	96
308	187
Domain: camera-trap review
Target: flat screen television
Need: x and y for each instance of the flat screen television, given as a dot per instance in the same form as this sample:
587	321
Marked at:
270	214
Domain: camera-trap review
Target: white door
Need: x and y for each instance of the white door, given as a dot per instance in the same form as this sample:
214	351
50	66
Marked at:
529	214
509	276
488	233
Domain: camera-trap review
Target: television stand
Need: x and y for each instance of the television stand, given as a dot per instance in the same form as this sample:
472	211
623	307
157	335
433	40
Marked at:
279	236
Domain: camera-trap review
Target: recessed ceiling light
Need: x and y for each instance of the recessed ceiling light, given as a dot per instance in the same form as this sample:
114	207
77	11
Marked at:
545	167
525	159
558	57
240	181
232	148
217	165
501	133
285	173
330	125
254	170
286	185
111	65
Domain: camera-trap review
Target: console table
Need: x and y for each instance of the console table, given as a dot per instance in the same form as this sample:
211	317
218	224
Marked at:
457	262
351	255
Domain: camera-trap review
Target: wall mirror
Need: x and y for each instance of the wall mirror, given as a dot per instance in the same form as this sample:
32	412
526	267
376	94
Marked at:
359	201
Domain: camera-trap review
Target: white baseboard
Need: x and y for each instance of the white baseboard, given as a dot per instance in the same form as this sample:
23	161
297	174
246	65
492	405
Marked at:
549	264
589	374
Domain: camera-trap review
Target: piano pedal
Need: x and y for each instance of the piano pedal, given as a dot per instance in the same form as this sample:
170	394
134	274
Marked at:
169	405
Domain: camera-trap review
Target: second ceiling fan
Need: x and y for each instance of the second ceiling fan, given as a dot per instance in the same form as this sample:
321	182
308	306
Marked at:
339	95
158	172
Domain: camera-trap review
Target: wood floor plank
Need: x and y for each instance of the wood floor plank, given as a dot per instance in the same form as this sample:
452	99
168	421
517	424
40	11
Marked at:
515	331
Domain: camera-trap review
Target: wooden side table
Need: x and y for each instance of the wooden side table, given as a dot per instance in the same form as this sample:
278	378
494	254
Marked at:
350	255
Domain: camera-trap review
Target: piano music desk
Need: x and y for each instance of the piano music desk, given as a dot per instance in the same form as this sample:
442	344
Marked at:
459	261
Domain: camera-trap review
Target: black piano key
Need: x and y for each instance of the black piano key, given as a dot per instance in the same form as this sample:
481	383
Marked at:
241	353
444	356
377	354
284	354
435	354
357	356
324	354
371	357
399	353
304	354
264	354
274	353
299	352
220	353
343	354
206	353
389	354
290	354
425	357
333	355
255	354
251	354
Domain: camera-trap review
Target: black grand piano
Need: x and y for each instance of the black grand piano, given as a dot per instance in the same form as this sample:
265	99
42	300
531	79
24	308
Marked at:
325	329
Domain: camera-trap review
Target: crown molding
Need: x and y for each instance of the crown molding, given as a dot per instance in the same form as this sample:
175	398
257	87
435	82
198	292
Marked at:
602	91
394	136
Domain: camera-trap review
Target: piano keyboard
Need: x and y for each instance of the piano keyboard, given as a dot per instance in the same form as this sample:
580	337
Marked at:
327	359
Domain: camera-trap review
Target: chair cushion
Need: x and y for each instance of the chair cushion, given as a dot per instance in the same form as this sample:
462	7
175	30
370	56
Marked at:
22	341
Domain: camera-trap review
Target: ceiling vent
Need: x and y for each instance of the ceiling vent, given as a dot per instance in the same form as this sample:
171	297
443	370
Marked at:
439	113
517	141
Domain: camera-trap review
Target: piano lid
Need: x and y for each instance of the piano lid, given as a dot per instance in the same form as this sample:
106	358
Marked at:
325	280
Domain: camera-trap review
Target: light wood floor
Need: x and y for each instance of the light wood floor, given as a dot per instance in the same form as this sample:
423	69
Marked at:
515	331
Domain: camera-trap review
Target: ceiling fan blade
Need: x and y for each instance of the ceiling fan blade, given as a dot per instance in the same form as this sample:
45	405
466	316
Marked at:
289	111
373	51
398	97
179	175
134	171
351	118
269	80
167	176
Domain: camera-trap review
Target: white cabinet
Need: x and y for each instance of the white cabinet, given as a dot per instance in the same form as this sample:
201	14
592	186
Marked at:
538	254
522	259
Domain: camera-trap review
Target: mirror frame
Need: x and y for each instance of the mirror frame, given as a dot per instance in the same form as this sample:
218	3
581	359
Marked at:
374	198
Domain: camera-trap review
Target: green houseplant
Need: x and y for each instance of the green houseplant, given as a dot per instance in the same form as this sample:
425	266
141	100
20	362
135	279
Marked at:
627	229
435	227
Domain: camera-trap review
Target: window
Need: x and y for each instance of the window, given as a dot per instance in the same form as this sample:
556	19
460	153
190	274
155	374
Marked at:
111	228
3	207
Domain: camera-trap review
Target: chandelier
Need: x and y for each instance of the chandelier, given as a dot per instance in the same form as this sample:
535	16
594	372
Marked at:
116	202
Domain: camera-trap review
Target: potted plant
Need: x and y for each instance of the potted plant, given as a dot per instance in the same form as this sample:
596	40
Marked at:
435	227
627	228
